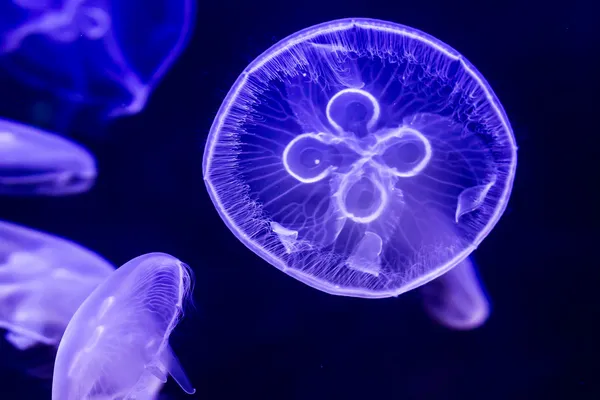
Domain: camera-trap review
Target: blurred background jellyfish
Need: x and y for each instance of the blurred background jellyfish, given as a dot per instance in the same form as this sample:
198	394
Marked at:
34	162
362	157
43	280
117	343
457	299
106	53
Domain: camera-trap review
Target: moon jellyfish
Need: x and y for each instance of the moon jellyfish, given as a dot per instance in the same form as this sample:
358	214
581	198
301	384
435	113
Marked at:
362	157
117	343
34	162
43	280
108	53
457	299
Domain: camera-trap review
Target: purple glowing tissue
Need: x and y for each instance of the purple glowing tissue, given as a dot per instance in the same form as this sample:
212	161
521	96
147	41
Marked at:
457	299
43	280
108	53
34	162
117	343
362	157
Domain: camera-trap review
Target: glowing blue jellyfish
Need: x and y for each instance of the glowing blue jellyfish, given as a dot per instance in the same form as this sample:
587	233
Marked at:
362	157
34	162
109	53
117	343
43	280
457	299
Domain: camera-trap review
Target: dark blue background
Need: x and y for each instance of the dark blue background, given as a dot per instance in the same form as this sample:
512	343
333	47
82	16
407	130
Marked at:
258	334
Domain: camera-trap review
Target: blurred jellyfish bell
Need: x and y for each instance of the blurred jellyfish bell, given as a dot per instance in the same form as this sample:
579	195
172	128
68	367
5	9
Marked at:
457	299
34	162
106	53
43	280
362	157
117	343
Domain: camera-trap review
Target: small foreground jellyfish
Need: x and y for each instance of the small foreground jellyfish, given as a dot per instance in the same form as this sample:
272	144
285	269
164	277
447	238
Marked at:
457	299
117	343
109	53
362	157
43	280
34	162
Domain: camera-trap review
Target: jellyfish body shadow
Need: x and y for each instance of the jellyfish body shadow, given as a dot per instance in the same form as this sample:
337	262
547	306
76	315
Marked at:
361	157
43	280
34	162
110	54
117	343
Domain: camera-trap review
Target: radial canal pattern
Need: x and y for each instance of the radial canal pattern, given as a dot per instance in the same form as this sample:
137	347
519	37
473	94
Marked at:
362	157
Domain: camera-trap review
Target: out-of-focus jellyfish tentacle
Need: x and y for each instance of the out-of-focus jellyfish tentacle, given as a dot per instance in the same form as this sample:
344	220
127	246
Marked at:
108	54
94	22
362	157
457	299
34	162
117	343
21	342
43	280
51	21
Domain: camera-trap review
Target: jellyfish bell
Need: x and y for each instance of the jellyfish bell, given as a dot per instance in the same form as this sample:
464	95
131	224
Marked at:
35	162
116	344
105	53
43	280
362	157
457	298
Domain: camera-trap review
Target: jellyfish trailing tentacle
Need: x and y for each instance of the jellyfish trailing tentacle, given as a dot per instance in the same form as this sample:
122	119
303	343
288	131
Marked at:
86	52
457	299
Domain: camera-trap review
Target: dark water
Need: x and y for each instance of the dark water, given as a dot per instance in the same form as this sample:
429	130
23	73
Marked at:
257	334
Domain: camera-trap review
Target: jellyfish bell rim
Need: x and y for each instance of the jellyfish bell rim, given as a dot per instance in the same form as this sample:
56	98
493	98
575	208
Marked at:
77	163
98	266
56	241
125	270
335	26
26	130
